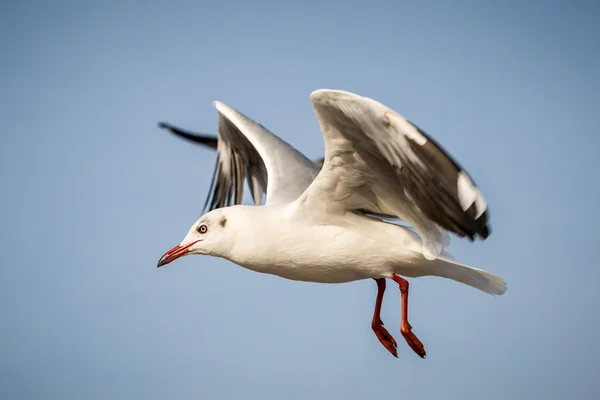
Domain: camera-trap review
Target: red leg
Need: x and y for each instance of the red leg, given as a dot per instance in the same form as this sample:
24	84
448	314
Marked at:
382	334
405	327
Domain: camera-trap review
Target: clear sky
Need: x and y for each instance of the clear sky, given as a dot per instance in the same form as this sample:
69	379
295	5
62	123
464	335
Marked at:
93	193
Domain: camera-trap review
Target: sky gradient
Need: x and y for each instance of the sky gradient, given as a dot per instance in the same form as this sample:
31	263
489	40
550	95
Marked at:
94	193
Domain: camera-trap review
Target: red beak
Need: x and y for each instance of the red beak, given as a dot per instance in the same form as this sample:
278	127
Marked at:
174	254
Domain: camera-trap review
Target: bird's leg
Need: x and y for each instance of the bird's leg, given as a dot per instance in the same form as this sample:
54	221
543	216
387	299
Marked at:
405	327
382	334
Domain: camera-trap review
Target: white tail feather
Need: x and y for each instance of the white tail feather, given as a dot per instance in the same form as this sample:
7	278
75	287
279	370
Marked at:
445	267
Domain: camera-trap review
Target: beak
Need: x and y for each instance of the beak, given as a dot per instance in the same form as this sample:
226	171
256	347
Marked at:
175	253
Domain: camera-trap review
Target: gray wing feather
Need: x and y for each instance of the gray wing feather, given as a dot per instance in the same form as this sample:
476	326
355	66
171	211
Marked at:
238	160
396	162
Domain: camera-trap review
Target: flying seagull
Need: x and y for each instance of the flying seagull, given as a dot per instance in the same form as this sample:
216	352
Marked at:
320	225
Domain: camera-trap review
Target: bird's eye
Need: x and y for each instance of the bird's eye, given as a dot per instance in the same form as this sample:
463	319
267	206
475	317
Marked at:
202	228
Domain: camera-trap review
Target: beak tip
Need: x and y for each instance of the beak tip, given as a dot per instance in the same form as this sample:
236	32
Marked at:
174	254
161	262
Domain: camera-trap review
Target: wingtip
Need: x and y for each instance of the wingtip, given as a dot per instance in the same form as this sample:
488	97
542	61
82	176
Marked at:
168	127
233	115
224	109
321	94
219	105
318	92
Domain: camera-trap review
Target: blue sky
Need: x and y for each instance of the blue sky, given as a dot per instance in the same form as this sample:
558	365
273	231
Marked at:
94	193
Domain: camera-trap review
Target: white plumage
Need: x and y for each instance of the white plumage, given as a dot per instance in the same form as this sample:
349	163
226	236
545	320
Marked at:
323	226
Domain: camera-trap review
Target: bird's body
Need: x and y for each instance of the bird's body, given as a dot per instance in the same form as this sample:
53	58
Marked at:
340	249
326	226
296	243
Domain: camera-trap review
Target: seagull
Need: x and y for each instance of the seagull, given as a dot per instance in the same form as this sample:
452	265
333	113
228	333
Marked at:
324	225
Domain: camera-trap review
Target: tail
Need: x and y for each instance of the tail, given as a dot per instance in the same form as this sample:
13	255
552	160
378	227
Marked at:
445	267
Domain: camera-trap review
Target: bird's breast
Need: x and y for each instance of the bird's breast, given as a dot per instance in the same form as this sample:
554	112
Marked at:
322	253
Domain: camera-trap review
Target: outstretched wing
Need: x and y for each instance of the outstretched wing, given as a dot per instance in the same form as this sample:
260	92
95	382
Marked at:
378	161
248	151
207	140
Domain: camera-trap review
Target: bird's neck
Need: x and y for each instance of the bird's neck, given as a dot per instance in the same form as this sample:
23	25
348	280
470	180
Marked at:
254	233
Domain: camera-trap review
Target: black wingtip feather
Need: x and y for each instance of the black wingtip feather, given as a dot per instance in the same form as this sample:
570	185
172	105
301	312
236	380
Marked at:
438	199
200	138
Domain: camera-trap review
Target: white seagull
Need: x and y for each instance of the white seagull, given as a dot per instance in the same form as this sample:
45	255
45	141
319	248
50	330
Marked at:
326	226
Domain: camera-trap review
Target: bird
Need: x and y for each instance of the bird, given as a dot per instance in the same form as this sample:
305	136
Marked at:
327	225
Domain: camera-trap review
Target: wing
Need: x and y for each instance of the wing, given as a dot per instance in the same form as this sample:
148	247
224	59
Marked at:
375	160
247	150
208	140
234	163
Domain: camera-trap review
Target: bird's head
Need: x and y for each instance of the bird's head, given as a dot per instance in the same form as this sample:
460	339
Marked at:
208	236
